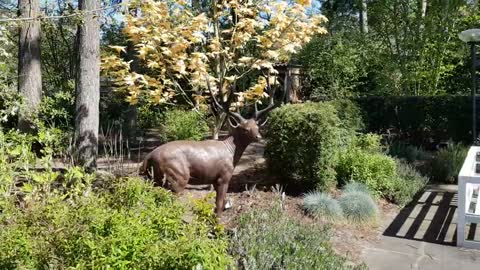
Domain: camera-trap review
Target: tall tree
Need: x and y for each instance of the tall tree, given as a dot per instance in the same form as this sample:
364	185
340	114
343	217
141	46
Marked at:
29	66
223	55
88	85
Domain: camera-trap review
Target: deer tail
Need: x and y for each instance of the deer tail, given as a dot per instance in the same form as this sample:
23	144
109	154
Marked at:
144	166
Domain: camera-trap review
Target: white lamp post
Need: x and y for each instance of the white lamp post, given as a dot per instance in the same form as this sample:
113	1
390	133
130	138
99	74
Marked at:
472	37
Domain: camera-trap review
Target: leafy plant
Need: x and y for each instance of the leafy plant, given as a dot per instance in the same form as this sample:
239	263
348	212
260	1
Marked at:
321	204
376	170
130	225
408	152
447	163
358	207
408	183
268	239
184	125
369	142
302	143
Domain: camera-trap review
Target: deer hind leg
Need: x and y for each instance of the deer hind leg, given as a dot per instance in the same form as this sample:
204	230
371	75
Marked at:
176	180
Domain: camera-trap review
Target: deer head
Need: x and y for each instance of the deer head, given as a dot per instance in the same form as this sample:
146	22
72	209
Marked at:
243	128
251	126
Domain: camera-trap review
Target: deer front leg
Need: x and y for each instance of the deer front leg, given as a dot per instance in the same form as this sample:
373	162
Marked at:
221	189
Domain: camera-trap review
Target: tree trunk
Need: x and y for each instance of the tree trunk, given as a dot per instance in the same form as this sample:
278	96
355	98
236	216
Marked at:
29	66
217	125
363	17
423	12
87	86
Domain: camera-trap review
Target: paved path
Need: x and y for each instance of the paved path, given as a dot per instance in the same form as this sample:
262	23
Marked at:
422	236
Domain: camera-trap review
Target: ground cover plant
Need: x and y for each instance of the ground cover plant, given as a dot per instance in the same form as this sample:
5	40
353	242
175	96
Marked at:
269	239
82	221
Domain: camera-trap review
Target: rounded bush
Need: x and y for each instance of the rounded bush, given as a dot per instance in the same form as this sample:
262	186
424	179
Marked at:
302	143
358	207
321	204
373	169
356	187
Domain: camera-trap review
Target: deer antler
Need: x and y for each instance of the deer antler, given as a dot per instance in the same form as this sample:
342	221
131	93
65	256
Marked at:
225	106
271	103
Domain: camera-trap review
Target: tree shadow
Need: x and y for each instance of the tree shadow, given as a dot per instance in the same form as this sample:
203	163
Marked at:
430	217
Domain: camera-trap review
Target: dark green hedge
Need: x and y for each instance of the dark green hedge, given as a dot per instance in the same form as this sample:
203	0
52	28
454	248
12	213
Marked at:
420	120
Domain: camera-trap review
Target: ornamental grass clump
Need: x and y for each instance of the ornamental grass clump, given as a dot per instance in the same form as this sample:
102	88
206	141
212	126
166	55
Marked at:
356	187
321	204
358	207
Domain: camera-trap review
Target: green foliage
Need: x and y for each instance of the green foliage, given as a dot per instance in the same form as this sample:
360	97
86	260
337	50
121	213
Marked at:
57	110
80	221
358	207
406	185
368	142
447	163
132	225
407	152
302	143
406	51
349	114
184	125
268	239
335	66
356	187
10	102
373	169
321	204
150	116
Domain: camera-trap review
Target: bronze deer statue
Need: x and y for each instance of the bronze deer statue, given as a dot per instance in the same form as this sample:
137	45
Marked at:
178	163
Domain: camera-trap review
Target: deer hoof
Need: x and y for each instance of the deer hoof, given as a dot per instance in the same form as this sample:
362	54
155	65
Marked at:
228	205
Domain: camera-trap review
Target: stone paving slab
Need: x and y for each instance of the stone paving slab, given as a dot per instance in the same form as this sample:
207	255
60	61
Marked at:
422	236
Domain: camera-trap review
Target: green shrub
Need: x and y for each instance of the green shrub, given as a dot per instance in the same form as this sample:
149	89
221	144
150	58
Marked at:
405	185
367	142
321	204
150	116
408	152
356	187
129	225
303	140
349	114
184	125
447	163
267	239
376	170
358	207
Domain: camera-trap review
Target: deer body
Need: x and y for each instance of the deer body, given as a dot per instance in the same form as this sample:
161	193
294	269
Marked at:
178	163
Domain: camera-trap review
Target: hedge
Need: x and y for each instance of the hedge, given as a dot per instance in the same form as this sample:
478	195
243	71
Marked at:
423	120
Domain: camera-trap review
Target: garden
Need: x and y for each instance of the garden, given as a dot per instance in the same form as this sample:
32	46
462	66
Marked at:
317	127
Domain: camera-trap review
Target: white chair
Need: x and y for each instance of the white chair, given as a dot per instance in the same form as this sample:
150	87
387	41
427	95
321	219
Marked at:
468	198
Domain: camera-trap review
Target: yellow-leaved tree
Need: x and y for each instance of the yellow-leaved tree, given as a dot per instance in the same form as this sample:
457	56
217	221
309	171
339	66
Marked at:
222	51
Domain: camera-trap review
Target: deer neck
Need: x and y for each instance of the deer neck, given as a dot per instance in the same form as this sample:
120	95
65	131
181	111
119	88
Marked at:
236	145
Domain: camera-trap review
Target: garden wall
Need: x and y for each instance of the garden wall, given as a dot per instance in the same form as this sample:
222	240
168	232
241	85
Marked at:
426	120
